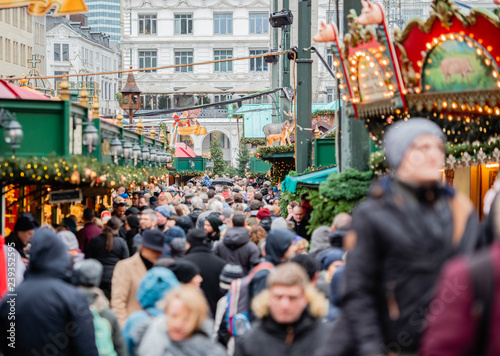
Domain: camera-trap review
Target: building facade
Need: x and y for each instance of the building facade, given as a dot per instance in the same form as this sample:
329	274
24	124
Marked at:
21	37
105	16
76	49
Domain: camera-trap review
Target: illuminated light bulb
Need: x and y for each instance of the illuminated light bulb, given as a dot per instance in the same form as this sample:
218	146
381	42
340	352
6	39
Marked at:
391	87
417	75
372	64
495	74
443	38
405	91
489	110
341	86
450	118
497	111
489	48
452	36
381	84
470	44
344	97
377	73
419	63
479	52
498	84
353	78
353	69
335	63
487	62
454	105
338	75
480	109
445	104
418	90
463	107
355	88
435	40
471	35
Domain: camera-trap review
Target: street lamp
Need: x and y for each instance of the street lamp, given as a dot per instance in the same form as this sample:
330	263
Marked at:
145	154
116	149
90	137
127	150
13	131
152	156
136	153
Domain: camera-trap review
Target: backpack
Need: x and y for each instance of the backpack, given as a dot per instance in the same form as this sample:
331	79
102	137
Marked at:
238	309
103	334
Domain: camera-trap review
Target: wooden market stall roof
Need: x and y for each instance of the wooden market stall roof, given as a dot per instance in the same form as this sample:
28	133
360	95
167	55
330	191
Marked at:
11	91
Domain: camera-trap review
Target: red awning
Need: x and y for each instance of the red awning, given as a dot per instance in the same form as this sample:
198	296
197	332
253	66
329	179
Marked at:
11	91
181	150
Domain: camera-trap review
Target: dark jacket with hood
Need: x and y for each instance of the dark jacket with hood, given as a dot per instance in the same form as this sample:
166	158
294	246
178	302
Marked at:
236	248
266	224
267	337
211	266
277	243
194	215
108	259
404	235
47	306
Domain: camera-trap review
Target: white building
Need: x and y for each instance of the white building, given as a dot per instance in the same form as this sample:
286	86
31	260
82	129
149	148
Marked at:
21	37
74	49
161	33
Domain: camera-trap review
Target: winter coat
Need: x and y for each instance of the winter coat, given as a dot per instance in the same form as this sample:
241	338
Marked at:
129	239
126	278
402	241
267	337
86	234
200	221
210	266
46	304
301	228
156	283
194	215
96	298
236	248
97	250
157	343
452	327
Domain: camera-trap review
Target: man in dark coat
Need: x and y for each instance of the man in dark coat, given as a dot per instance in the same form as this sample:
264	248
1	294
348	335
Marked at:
200	252
47	315
236	247
403	233
301	220
197	206
289	313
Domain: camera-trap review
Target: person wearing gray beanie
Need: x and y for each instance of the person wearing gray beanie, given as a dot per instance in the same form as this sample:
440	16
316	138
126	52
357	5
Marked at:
400	237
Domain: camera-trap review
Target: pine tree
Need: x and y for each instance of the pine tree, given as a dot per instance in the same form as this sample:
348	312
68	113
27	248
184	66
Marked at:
217	156
243	159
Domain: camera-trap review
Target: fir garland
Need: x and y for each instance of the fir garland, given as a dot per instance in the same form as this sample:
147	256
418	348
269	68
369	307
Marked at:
267	153
253	141
76	171
323	113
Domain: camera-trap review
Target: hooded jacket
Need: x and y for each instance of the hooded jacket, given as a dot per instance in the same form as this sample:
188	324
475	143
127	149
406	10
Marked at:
194	215
157	343
277	243
155	284
267	337
236	248
46	303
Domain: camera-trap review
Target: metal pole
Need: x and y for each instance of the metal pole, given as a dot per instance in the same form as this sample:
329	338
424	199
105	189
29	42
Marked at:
285	68
303	132
275	67
339	109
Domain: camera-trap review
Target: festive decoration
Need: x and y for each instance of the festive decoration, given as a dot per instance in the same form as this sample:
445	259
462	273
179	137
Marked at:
217	156
253	141
40	7
267	153
77	171
457	156
323	113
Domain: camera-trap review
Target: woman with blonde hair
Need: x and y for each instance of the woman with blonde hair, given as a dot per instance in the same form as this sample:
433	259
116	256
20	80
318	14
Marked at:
184	328
257	233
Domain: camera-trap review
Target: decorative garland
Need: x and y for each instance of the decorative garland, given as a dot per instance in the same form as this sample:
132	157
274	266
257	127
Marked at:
189	173
77	171
457	156
323	113
253	141
267	153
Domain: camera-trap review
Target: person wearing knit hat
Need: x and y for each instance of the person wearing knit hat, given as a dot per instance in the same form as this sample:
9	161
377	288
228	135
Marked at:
264	218
211	227
186	272
228	275
263	213
405	231
71	243
20	237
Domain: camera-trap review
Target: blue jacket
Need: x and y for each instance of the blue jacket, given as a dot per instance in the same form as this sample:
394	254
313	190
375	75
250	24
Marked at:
51	315
155	284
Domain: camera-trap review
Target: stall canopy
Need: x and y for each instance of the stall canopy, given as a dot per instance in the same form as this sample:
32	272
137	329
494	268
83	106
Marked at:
11	91
183	151
315	178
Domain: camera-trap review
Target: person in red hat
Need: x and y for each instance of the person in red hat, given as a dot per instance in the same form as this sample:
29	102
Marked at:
264	218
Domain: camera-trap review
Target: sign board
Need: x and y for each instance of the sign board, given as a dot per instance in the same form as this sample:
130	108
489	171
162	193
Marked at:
65	196
229	110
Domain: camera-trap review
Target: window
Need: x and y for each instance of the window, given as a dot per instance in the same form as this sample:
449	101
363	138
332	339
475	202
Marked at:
259	24
7	50
258	64
57	80
329	94
223	24
147	59
1	47
30	24
65	52
223	54
329	58
184	57
222	98
57	52
183	24
23	55
7	15
147	24
15	52
14	16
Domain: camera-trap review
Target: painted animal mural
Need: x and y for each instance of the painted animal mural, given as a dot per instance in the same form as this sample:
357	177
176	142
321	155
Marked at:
451	66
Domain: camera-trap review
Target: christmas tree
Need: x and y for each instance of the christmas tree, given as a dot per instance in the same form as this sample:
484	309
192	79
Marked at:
243	159
217	156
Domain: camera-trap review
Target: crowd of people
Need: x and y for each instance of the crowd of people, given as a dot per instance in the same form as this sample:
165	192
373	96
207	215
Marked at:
219	270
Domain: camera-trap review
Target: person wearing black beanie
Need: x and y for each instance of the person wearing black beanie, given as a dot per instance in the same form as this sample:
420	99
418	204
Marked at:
211	227
22	234
131	224
187	272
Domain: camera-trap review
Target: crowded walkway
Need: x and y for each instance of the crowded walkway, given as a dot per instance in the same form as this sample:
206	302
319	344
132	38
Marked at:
208	269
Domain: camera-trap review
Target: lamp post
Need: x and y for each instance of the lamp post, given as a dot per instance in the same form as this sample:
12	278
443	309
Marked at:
145	155
127	150
13	131
131	98
116	149
90	137
136	153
